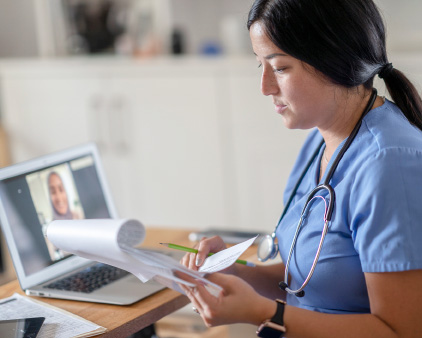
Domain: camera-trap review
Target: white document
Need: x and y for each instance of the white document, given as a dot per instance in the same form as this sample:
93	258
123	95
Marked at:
113	242
57	324
223	259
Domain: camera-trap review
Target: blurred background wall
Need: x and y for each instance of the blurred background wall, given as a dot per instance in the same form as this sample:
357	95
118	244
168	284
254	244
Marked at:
56	28
45	27
169	91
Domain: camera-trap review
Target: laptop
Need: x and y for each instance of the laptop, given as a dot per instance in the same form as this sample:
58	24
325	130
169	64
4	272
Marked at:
69	184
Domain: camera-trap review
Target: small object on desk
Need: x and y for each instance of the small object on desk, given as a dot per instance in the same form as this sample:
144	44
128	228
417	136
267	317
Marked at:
58	323
228	236
186	249
21	328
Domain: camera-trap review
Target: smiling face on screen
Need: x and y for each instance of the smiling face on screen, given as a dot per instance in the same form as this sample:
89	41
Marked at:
58	194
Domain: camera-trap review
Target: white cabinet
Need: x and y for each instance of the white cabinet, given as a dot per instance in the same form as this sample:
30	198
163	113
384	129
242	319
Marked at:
46	113
185	142
175	166
263	154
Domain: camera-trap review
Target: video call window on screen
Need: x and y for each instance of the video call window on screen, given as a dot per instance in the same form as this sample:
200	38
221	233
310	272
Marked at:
68	190
55	196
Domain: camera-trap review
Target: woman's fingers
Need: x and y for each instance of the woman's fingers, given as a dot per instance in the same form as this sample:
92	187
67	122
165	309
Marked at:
189	259
203	251
191	292
206	246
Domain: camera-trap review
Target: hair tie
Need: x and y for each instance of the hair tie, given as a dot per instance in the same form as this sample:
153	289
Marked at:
385	70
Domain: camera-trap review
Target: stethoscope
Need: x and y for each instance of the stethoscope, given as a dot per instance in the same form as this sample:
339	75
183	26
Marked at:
268	246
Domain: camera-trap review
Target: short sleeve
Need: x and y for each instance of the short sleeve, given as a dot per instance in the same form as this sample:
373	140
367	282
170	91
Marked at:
386	211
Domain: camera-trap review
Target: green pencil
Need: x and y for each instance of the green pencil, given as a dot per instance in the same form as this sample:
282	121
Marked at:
187	249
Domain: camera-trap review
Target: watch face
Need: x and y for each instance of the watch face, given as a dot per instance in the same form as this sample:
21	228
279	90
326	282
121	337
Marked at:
270	330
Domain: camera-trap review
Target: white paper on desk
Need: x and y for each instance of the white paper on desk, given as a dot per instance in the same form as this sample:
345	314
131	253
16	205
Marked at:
57	324
223	259
112	242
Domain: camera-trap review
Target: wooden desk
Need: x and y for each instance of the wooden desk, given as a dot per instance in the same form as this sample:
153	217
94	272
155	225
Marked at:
122	321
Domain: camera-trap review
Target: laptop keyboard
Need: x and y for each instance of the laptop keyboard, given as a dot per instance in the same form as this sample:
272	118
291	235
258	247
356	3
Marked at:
89	279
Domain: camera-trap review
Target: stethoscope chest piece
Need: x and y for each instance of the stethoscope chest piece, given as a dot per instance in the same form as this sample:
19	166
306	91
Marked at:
267	248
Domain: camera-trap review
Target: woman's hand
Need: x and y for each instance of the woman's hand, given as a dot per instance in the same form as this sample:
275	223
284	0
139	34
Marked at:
205	246
237	303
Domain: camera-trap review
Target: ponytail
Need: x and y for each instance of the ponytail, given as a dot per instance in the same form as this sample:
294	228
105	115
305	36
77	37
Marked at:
403	93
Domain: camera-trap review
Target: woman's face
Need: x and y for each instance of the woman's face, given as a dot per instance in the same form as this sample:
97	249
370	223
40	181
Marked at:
58	194
303	97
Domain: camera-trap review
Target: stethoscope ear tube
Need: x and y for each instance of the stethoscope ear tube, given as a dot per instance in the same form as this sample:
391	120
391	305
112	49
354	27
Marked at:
331	201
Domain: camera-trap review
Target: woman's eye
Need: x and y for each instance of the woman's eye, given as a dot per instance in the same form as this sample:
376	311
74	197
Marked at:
260	65
279	70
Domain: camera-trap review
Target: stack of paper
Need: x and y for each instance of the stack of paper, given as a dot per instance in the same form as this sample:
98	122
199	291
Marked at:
113	242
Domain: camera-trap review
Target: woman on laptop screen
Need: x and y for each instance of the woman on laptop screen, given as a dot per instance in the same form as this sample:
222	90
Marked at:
58	198
55	197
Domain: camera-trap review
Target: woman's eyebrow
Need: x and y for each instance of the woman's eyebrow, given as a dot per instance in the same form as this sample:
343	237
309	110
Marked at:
272	56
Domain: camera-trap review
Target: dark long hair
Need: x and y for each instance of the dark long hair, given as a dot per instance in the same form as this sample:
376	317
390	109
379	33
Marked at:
343	39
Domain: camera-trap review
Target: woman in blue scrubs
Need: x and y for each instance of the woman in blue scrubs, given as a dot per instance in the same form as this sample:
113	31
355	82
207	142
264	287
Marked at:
318	60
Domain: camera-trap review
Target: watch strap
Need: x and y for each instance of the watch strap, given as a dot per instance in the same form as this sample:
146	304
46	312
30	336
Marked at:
278	318
274	327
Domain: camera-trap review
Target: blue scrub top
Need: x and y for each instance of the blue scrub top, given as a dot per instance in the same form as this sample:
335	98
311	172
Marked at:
377	219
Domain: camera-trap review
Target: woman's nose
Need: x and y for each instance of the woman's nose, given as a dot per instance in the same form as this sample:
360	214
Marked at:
268	82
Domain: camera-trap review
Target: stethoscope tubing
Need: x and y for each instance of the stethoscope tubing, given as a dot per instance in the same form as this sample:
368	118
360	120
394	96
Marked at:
329	212
314	263
327	217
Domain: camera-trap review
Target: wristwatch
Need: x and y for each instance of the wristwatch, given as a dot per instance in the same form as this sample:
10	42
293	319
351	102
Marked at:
274	327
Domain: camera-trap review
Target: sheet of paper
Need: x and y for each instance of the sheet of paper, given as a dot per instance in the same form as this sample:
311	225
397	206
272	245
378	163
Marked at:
112	242
223	259
101	240
58	323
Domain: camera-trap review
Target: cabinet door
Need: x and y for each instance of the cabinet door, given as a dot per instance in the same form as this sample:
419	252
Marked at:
169	127
264	153
42	114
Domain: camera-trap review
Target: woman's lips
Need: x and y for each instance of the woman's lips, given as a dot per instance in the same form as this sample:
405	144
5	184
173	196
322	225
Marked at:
280	108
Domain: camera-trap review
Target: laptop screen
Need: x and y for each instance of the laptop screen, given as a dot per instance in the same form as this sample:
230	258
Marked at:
70	189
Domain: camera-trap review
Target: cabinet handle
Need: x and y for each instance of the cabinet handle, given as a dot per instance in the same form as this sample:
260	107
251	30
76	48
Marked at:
97	121
119	119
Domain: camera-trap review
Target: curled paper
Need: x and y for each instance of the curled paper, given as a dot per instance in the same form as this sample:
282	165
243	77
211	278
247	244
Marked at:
113	242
